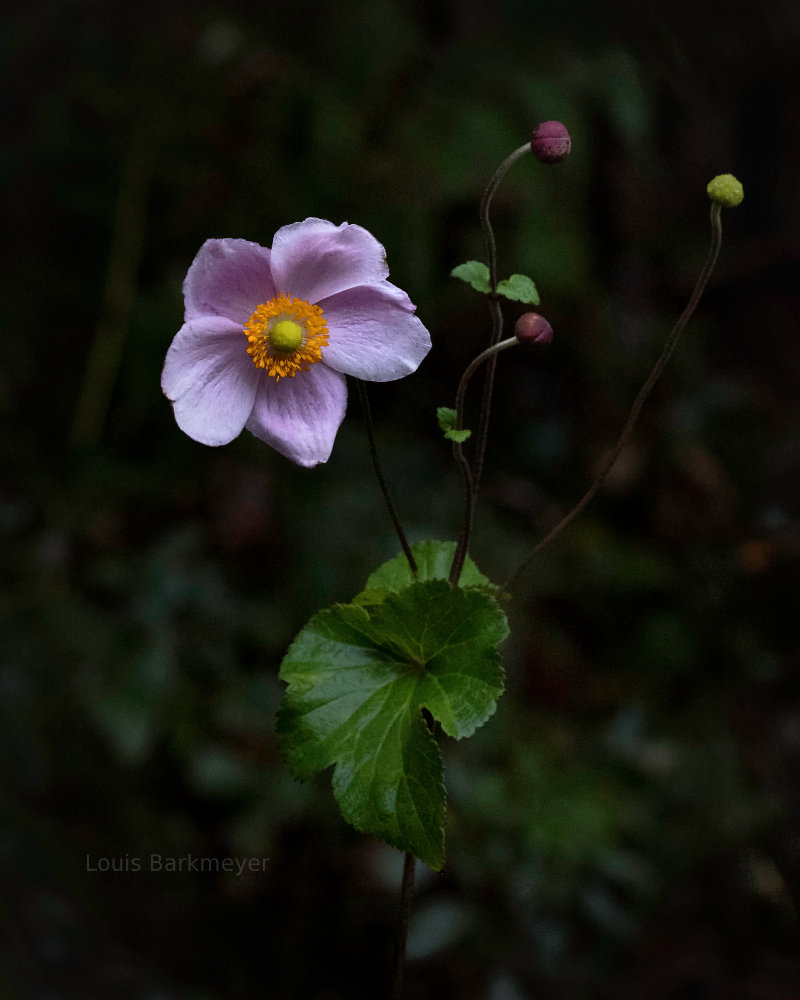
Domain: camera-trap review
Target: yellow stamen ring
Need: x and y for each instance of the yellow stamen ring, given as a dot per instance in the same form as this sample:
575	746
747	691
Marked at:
286	336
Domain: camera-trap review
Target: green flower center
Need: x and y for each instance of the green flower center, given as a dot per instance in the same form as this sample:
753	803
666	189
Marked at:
286	336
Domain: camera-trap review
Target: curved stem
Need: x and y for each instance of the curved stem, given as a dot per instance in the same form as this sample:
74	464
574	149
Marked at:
406	898
494	308
376	465
472	475
470	492
644	392
470	370
486	201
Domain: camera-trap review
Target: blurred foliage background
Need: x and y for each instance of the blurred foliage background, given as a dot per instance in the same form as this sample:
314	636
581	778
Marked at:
626	825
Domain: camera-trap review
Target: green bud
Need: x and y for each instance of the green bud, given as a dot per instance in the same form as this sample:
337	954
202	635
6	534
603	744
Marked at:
726	190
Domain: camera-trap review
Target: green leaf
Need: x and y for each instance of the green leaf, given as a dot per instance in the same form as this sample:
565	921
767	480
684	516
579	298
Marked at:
475	273
447	422
358	679
457	435
433	560
519	288
446	417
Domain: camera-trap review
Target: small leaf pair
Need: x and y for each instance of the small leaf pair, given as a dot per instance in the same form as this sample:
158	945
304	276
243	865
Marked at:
447	421
518	288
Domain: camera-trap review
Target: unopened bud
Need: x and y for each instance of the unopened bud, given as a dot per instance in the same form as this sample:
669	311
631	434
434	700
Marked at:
550	142
726	190
531	328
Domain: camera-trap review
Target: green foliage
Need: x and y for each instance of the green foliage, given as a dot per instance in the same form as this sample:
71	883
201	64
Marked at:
519	288
475	273
359	676
447	421
433	561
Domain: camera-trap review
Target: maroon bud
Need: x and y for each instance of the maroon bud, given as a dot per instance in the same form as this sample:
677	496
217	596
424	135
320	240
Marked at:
531	328
550	142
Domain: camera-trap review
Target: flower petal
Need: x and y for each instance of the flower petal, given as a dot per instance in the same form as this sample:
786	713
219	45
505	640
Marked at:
299	416
210	379
373	333
314	259
228	278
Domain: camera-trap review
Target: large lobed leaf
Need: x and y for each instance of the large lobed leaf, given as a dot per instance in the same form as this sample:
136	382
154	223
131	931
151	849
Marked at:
358	678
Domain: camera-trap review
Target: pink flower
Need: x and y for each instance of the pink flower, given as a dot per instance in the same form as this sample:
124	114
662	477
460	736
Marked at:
269	335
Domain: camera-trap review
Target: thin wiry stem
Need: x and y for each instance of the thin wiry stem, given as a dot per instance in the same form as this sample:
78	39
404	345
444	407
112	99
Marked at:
460	553
376	465
494	308
486	201
470	370
644	392
472	474
470	493
406	899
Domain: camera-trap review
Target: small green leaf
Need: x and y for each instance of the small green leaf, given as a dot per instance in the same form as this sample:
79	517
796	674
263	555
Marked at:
447	422
446	417
358	680
519	288
475	273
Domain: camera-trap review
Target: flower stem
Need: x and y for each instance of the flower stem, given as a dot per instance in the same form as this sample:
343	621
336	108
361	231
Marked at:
494	307
460	553
376	465
644	392
406	898
471	494
472	474
486	201
470	370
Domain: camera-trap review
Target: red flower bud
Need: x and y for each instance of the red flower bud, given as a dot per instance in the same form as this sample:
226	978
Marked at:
550	142
531	328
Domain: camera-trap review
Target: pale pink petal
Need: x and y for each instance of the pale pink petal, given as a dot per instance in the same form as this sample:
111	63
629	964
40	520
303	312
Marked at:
228	278
210	379
299	416
314	259
373	333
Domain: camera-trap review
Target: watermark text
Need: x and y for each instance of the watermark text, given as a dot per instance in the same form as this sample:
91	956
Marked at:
174	863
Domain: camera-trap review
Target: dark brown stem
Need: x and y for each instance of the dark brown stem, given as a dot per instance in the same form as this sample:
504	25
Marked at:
472	475
494	309
376	465
486	201
406	899
470	493
644	392
460	553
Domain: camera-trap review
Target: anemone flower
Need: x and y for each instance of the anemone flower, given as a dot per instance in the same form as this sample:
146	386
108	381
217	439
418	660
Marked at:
269	335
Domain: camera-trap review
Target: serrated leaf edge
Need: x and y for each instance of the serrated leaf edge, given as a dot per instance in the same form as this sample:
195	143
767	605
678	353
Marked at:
436	859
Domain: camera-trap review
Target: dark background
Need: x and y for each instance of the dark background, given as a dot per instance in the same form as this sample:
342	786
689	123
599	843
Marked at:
626	825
